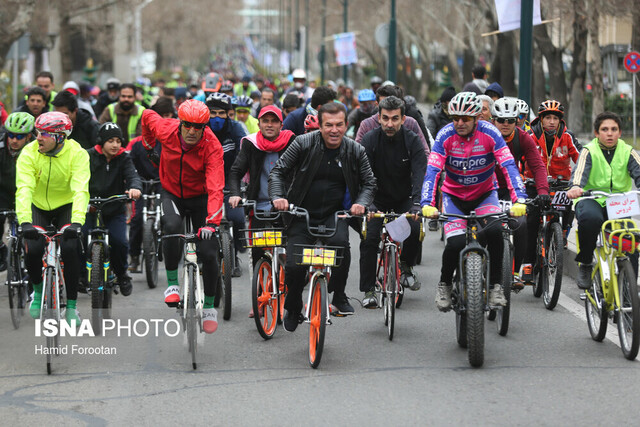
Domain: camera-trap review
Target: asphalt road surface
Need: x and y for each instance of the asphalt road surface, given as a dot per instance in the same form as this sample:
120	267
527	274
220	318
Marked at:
546	371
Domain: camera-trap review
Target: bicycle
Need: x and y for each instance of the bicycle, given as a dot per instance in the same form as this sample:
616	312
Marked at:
192	292
100	276
268	290
151	231
227	263
614	291
17	278
470	292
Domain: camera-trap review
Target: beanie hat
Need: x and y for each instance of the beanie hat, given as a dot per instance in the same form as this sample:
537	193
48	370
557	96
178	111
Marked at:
107	131
448	94
495	87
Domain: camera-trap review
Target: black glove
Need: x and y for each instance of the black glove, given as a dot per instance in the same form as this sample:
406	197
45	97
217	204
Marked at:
29	231
207	232
415	210
543	200
153	157
72	231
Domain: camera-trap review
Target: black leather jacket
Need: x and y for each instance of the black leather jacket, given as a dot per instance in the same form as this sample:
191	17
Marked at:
301	160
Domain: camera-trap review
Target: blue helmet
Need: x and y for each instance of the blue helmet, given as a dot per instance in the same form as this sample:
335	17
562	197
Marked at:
366	95
244	102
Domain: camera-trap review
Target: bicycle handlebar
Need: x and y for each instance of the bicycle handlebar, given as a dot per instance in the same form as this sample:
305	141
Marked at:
320	231
263	215
189	237
595	194
100	202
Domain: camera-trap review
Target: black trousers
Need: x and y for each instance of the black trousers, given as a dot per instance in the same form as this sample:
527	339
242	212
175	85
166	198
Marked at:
296	275
69	248
174	210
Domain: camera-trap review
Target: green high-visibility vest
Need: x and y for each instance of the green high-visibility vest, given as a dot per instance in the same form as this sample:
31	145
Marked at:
613	177
133	120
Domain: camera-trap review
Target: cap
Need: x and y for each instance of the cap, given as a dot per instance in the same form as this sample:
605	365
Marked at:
72	87
271	109
448	94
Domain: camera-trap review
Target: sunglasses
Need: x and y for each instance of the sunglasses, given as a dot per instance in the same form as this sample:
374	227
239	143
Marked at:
502	120
46	134
463	118
196	126
17	136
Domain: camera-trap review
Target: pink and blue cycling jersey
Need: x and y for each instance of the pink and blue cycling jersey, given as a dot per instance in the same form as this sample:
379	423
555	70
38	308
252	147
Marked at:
469	164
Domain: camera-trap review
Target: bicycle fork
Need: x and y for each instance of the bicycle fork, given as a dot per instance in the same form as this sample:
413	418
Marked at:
307	314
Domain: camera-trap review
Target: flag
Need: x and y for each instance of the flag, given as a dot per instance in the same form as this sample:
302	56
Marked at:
508	12
344	45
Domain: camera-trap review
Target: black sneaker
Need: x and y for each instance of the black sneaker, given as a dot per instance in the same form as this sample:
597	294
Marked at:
341	302
291	320
584	275
125	285
134	264
433	225
237	270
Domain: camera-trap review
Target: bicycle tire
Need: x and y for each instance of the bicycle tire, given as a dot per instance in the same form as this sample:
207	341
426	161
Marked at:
597	315
97	288
461	317
384	256
317	320
282	292
475	309
192	317
552	271
391	286
629	314
226	270
503	313
150	250
13	269
265	306
49	313
540	262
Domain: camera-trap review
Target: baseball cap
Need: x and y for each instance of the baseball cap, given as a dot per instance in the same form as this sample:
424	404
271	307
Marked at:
271	109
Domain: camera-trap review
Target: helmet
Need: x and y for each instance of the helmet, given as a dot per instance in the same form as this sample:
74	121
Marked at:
551	106
54	122
19	123
465	104
299	73
523	107
193	111
226	86
387	83
376	80
113	84
107	131
244	102
505	108
219	100
366	95
212	82
311	123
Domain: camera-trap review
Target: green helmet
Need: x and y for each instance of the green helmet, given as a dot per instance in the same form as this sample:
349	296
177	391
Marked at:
19	123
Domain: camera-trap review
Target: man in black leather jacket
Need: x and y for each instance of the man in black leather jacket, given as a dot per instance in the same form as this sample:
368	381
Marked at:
329	172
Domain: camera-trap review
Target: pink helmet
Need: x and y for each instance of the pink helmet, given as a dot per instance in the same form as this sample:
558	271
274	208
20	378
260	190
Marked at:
54	122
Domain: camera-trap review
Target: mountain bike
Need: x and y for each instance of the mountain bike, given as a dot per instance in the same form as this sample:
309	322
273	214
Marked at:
98	254
17	278
614	290
227	263
151	231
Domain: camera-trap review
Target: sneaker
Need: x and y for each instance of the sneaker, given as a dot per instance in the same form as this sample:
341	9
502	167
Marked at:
408	278
172	296
341	302
443	297
134	264
584	275
496	296
291	320
72	314
3	257
237	271
433	225
209	320
517	284
125	285
370	300
34	307
526	273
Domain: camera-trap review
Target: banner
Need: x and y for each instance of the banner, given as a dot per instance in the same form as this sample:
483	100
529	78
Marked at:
344	45
508	12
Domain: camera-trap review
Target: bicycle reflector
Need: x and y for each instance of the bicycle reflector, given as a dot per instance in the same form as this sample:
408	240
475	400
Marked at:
319	256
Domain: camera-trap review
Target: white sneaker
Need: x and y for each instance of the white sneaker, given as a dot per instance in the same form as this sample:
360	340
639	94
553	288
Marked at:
496	296
209	320
443	296
172	296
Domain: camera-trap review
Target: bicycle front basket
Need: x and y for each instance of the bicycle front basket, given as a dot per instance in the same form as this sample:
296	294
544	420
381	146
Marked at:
328	256
263	238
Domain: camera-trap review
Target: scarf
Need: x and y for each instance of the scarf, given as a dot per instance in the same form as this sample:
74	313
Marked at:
274	146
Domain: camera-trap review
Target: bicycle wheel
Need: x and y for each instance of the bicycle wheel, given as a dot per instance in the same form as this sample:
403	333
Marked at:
391	286
596	308
226	271
14	276
628	316
282	289
317	320
265	304
150	249
552	269
192	316
475	309
503	313
540	262
97	288
49	312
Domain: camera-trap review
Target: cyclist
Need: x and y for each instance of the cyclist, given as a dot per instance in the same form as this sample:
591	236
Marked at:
523	115
345	181
399	164
609	164
85	127
439	116
108	96
112	173
525	153
487	108
35	103
243	114
467	151
192	177
367	108
126	113
19	132
52	181
244	87
295	120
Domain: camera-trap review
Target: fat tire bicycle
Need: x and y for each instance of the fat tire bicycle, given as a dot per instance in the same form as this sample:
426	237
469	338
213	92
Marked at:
17	278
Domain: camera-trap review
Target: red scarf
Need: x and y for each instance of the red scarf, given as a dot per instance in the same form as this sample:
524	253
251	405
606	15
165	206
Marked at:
276	145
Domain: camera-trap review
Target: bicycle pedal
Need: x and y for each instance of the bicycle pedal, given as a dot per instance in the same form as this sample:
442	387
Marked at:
583	296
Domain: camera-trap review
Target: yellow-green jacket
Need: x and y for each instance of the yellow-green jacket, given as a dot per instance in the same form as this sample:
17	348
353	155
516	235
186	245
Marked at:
49	182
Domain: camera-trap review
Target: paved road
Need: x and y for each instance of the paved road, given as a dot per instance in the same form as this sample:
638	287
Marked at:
546	371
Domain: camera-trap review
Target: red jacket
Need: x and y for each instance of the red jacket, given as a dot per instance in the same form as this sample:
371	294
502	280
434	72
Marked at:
565	148
529	159
187	174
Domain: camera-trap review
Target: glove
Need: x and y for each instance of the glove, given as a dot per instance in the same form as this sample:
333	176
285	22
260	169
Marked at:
153	157
29	231
72	231
207	232
429	211
543	200
518	209
415	210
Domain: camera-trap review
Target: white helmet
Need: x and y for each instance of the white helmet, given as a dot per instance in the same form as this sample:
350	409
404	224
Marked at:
465	104
505	108
523	107
299	73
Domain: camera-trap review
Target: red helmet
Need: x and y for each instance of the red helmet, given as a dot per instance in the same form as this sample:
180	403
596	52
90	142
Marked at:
311	123
54	122
212	82
193	111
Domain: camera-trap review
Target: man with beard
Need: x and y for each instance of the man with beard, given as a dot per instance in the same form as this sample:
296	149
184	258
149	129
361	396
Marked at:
125	113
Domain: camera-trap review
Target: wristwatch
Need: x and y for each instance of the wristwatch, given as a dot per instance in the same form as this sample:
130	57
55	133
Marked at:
520	200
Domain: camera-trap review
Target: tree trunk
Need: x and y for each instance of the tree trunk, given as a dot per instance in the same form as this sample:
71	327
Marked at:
575	111
16	16
597	85
468	62
553	55
502	69
538	92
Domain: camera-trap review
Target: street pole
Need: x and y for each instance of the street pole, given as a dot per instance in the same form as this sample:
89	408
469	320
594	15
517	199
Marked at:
138	28
323	49
526	46
391	63
345	25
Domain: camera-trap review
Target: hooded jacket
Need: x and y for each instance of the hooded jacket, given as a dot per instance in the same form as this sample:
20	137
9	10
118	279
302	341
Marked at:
85	129
565	148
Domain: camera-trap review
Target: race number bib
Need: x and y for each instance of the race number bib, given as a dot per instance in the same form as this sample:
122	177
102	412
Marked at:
560	201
